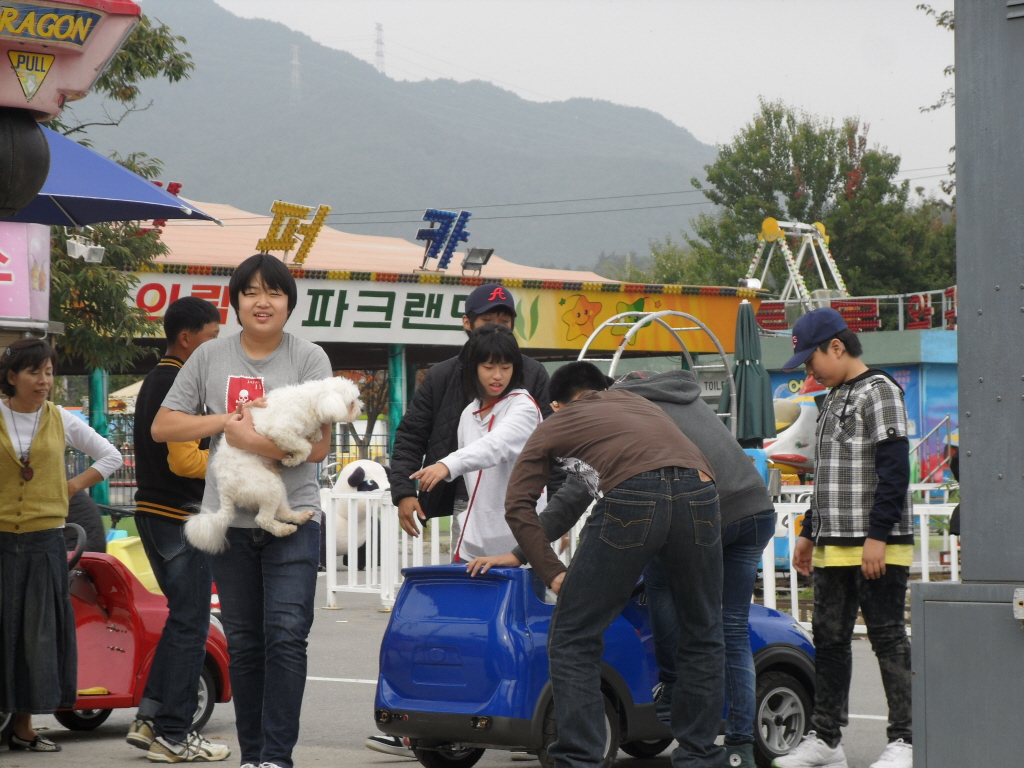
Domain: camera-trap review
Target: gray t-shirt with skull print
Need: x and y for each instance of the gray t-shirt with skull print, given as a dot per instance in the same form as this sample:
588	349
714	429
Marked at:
220	375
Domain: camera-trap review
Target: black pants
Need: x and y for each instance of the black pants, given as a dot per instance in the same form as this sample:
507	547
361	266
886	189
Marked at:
838	592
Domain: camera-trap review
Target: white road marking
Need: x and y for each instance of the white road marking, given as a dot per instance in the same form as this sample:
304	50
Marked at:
869	717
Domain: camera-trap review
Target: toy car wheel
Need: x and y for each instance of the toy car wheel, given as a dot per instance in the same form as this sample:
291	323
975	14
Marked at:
782	715
207	698
82	719
645	749
6	726
448	757
611	738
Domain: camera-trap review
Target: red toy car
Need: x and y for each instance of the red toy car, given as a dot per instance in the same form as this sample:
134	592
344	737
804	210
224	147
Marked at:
118	624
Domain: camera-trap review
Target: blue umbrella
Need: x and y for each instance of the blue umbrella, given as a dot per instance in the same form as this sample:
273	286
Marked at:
84	187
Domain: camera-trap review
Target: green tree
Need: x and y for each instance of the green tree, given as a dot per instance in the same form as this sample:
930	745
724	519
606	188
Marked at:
94	300
152	51
792	166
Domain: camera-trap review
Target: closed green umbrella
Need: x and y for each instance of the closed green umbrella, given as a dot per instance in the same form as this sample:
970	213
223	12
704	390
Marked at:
755	417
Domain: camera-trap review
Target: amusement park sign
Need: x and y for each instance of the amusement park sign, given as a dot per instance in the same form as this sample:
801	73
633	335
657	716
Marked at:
427	308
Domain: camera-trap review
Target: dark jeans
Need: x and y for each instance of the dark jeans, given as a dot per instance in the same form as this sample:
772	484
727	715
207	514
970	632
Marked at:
266	586
838	591
669	516
183	573
743	544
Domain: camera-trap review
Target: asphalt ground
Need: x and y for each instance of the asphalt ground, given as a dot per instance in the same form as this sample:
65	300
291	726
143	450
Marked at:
337	713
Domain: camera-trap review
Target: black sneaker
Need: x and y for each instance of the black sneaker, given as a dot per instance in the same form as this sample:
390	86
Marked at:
389	745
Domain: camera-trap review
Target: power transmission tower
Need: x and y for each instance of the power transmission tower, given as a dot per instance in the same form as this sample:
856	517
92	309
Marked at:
380	47
296	79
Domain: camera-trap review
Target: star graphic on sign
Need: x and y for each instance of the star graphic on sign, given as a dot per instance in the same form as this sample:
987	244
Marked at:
657	305
561	302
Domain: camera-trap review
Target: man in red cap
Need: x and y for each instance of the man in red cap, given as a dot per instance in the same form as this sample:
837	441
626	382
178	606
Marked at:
429	431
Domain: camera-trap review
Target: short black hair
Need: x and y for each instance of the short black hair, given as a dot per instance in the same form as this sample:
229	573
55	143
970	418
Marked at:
272	271
573	378
472	316
850	341
491	343
188	313
22	354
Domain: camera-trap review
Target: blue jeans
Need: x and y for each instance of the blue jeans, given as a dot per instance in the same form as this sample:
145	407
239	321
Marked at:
184	576
669	516
743	544
266	586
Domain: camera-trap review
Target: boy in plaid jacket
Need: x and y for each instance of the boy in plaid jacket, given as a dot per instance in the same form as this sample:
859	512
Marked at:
858	538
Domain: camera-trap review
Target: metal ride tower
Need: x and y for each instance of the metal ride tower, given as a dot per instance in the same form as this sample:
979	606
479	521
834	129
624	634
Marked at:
674	322
813	245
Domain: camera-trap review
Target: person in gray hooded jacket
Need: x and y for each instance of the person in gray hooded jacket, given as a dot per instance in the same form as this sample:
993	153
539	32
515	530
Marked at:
748	524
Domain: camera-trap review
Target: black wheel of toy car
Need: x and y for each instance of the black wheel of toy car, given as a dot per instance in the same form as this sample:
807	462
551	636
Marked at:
448	757
207	698
611	739
82	719
782	715
645	749
6	726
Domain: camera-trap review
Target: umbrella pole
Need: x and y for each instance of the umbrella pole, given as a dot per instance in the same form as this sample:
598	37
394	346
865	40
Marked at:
64	211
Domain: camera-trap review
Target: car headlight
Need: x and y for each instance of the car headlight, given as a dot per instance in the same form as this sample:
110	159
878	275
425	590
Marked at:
803	631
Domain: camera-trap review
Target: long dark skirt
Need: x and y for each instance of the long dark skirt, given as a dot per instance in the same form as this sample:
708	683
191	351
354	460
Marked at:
38	655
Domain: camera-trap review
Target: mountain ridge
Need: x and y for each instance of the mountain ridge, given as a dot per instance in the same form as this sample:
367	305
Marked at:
238	132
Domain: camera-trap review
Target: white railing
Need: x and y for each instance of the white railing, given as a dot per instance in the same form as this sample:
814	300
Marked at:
373	518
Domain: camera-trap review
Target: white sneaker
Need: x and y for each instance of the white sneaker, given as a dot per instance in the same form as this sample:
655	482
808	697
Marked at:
897	754
812	752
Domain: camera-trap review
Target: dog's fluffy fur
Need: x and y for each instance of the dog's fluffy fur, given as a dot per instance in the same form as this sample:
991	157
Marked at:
291	419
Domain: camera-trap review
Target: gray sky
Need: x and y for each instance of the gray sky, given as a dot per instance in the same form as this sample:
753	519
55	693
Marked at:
700	63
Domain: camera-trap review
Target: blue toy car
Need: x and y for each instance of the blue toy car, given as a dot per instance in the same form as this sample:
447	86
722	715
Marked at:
464	668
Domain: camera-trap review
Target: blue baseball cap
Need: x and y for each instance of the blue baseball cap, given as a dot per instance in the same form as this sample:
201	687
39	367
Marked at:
488	296
814	328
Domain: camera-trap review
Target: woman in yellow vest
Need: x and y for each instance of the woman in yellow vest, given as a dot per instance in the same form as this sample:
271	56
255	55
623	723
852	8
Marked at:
38	667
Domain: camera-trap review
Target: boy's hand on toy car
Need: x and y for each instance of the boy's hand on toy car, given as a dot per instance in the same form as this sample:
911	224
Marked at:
802	553
484	564
430	476
872	562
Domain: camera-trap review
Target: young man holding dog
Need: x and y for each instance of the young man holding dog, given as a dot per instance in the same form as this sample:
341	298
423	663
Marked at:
429	431
170	488
266	584
657	501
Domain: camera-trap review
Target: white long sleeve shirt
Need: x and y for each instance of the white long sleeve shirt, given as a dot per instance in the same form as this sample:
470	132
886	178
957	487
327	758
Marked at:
488	448
77	434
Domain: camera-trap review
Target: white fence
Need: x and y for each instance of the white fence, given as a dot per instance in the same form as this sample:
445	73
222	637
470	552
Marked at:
371	517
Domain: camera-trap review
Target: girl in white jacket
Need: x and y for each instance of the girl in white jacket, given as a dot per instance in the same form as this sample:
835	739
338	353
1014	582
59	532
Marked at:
493	429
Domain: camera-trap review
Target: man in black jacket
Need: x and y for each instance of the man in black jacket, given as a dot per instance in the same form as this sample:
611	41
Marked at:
429	431
170	479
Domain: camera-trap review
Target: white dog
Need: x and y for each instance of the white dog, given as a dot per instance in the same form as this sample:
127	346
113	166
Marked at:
291	420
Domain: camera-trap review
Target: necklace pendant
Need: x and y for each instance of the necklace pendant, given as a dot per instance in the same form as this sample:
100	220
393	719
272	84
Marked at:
27	472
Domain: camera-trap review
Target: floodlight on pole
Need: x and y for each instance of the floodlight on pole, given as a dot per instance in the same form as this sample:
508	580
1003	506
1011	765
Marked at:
475	259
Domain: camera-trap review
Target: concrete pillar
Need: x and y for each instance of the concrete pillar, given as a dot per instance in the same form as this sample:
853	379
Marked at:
967	644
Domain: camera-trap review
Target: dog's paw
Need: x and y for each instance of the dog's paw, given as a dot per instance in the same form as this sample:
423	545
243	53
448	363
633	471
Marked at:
296	516
291	460
278	528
